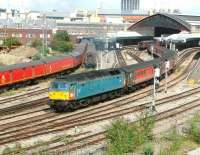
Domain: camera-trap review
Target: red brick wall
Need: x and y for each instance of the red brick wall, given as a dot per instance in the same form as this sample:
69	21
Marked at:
24	35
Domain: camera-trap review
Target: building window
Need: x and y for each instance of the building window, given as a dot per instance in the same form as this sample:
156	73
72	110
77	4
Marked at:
31	35
17	35
41	35
3	34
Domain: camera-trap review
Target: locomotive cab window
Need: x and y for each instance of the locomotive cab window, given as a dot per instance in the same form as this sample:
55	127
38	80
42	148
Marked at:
59	86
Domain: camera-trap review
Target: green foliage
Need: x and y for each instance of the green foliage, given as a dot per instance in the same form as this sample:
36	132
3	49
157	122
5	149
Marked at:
194	128
11	42
146	125
62	36
61	46
12	150
120	137
123	138
175	139
43	150
148	149
36	43
61	42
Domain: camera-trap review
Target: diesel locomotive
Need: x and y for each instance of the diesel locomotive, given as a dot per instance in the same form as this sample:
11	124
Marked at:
79	90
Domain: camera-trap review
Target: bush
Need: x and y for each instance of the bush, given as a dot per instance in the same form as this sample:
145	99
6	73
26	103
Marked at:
16	148
61	46
123	138
62	36
61	42
148	149
11	42
36	43
194	128
175	139
120	137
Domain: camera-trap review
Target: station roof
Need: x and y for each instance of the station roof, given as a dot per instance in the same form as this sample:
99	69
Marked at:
179	22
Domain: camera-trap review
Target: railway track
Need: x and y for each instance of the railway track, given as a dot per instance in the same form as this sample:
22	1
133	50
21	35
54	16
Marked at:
120	58
10	110
162	115
135	56
14	134
22	96
80	119
45	101
100	136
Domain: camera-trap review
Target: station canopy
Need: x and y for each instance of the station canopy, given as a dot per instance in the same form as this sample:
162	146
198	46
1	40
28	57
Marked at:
165	24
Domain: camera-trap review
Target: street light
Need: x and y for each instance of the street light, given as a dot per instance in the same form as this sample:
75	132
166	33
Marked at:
167	65
155	81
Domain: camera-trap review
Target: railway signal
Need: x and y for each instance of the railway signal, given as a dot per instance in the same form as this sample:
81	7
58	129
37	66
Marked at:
167	66
155	81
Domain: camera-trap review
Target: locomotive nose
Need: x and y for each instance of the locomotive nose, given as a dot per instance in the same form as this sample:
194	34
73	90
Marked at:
54	95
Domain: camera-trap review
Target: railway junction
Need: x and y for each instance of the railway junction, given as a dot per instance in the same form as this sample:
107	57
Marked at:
27	121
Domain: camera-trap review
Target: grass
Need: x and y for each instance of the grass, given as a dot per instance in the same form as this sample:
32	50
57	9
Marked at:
193	131
12	150
123	137
175	140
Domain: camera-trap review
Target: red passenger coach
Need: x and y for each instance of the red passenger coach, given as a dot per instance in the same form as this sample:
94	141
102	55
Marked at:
54	65
12	74
143	74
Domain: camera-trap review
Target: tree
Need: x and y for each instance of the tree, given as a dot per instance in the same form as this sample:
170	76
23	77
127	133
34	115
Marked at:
9	42
36	43
61	42
62	36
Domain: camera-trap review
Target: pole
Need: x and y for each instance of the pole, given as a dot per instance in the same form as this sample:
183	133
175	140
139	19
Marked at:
166	75
167	66
152	50
154	93
101	65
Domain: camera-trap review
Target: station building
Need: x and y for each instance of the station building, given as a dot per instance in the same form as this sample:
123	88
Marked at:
165	24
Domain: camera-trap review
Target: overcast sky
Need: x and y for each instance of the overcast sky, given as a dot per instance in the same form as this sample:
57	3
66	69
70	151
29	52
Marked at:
186	6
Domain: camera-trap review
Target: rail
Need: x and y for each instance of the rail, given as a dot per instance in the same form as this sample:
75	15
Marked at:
120	58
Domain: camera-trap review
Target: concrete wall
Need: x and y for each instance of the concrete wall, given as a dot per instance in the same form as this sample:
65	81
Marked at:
145	31
195	28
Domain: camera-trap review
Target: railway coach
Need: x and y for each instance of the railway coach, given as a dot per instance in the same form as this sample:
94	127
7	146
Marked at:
75	91
14	76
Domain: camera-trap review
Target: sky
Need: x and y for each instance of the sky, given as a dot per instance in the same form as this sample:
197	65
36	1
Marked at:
186	6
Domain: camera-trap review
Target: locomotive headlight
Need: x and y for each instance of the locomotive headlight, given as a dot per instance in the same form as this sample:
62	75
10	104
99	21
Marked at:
71	95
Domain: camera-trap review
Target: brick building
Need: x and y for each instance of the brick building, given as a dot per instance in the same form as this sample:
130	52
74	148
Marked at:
25	35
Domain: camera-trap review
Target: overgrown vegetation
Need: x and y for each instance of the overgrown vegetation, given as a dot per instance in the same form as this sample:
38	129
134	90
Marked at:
61	42
148	149
9	42
12	150
193	131
36	43
175	140
123	138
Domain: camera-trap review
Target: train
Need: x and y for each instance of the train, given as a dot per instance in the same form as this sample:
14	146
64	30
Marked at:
14	76
80	90
183	41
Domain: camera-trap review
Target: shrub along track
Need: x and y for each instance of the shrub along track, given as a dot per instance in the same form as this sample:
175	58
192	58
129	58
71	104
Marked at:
13	131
